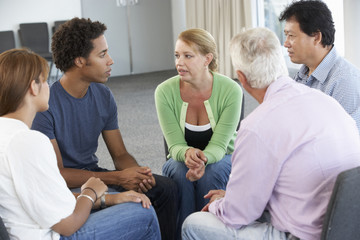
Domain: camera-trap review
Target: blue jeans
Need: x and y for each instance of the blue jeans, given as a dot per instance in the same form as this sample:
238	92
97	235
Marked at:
122	221
192	194
205	225
163	197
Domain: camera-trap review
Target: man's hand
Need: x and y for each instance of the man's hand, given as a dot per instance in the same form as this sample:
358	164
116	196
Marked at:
139	179
213	195
147	184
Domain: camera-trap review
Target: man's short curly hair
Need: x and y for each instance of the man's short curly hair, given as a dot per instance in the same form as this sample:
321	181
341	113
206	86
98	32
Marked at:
74	39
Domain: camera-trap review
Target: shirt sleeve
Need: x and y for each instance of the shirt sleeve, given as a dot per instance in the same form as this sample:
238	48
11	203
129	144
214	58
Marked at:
44	122
169	124
253	177
38	183
112	122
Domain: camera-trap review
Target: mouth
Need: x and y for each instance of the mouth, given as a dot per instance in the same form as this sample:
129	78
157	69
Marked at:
108	73
182	72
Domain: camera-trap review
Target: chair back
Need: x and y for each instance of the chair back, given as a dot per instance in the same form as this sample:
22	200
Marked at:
35	36
3	232
342	218
7	40
57	25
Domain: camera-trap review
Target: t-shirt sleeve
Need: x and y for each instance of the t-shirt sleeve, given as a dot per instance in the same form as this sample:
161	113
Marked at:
112	122
44	122
38	183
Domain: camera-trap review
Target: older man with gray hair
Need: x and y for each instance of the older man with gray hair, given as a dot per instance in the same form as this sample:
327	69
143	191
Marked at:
287	156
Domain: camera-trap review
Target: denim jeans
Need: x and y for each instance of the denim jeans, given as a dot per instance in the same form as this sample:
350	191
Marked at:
192	194
122	221
205	225
164	199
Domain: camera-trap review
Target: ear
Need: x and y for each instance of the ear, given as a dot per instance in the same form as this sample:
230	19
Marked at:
209	57
242	78
79	61
317	38
34	88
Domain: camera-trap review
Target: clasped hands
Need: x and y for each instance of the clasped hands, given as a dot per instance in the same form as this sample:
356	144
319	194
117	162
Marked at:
195	160
139	179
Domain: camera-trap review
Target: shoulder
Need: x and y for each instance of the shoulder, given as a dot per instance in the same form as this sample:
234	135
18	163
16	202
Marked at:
223	84
170	82
344	74
168	85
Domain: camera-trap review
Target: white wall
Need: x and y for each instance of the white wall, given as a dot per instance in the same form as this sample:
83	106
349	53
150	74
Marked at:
14	12
178	11
352	31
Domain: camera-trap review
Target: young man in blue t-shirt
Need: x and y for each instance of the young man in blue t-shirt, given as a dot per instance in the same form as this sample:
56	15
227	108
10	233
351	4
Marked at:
81	108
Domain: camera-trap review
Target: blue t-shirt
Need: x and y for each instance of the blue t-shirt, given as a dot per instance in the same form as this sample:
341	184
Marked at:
76	123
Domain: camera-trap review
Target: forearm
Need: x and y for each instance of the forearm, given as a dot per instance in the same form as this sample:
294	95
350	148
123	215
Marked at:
72	223
77	177
124	161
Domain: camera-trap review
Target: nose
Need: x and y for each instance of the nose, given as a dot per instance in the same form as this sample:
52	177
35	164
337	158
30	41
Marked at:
110	60
287	43
178	61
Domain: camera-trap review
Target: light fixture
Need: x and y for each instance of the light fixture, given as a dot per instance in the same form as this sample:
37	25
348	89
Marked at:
124	3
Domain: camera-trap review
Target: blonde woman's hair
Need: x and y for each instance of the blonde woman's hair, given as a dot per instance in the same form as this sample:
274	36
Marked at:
202	41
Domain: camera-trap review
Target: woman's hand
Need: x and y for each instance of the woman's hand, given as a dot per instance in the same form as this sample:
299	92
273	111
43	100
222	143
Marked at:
195	174
96	185
194	158
128	196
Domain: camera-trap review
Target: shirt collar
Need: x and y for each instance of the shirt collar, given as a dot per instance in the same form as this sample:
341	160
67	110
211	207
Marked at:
277	85
322	71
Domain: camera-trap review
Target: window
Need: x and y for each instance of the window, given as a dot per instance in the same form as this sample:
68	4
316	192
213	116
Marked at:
268	12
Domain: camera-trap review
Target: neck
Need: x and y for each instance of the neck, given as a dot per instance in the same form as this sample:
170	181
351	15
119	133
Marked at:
319	56
25	115
70	82
202	84
258	94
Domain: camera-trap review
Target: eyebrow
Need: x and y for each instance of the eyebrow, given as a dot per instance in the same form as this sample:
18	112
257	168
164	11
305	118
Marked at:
103	51
185	52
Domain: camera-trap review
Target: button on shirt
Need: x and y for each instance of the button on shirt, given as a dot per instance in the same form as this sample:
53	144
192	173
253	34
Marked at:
287	155
338	78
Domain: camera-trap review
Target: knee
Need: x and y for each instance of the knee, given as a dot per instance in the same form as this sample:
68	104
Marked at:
174	169
194	224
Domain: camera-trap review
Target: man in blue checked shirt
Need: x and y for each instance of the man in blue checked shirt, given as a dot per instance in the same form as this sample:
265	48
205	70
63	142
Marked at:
309	31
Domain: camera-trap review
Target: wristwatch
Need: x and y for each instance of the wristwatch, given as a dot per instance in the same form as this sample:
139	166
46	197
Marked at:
102	200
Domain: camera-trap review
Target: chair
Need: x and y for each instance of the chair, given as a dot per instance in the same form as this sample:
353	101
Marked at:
57	25
237	128
342	218
3	232
35	36
7	40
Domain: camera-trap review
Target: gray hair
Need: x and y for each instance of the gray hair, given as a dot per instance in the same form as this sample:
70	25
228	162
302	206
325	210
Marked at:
258	55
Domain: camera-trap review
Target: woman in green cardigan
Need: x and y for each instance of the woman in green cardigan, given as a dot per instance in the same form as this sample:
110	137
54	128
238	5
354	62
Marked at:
198	110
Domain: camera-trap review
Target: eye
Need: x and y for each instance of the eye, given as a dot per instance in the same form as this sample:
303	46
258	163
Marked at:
188	56
177	55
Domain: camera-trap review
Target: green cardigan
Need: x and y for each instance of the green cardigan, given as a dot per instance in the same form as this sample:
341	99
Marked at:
223	109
